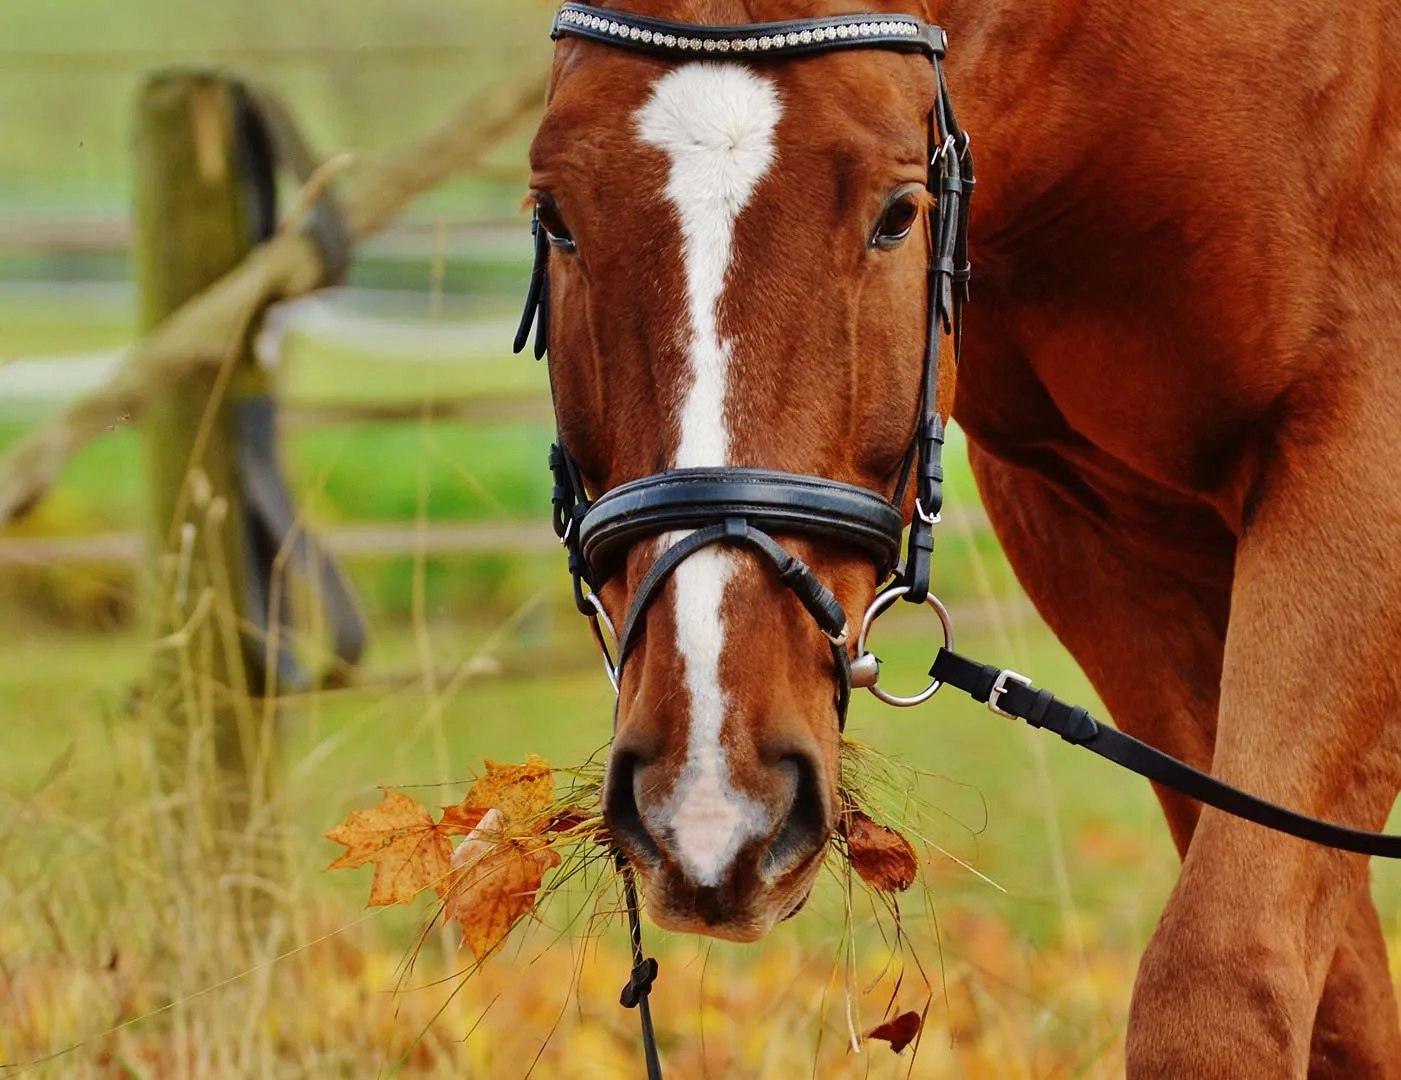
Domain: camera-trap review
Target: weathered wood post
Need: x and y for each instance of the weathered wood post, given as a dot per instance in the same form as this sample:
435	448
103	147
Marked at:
195	219
222	528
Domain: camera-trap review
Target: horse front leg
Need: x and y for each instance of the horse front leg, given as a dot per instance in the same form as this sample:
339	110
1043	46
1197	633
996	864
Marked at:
1152	641
1261	924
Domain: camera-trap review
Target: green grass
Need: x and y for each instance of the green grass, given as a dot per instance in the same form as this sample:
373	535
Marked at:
74	68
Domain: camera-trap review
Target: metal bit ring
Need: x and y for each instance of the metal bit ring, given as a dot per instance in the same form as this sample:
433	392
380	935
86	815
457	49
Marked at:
878	607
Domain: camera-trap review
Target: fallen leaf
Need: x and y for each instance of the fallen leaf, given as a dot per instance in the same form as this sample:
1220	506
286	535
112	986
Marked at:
409	851
461	819
899	1032
884	859
523	793
497	883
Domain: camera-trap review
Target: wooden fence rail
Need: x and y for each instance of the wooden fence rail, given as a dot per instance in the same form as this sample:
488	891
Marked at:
361	540
206	332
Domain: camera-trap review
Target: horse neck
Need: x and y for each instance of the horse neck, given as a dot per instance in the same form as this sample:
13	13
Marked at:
1021	73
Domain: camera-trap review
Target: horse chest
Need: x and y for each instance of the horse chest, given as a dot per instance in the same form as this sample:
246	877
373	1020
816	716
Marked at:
1138	405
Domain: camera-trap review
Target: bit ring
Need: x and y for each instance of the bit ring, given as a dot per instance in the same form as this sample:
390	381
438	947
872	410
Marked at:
878	607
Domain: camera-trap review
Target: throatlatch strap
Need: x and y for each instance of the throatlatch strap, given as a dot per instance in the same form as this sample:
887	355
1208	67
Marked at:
1008	693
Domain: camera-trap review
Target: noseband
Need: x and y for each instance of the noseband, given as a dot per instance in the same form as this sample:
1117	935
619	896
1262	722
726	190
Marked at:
741	507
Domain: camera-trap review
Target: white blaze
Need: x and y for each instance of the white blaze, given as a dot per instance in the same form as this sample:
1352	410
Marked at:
715	122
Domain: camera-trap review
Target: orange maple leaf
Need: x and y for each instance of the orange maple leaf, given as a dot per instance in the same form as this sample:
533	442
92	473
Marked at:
524	794
461	819
884	859
497	883
899	1032
410	852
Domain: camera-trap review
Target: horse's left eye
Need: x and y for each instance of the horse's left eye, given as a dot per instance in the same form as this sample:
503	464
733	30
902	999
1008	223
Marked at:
899	218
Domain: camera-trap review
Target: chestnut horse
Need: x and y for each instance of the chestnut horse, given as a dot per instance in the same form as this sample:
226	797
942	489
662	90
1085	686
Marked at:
1181	414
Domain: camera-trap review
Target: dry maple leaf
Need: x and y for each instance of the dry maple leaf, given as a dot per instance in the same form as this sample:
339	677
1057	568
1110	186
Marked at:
497	883
409	851
461	819
524	794
899	1032
884	859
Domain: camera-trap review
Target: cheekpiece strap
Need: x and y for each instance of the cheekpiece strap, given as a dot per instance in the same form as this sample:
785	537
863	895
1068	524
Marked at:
570	504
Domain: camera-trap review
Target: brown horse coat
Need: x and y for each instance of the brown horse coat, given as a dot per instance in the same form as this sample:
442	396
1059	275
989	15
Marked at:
1181	389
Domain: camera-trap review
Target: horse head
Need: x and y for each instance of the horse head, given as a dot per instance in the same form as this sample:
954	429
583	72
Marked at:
737	254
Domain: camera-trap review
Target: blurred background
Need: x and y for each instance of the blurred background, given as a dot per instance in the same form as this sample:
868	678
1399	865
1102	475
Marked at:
413	444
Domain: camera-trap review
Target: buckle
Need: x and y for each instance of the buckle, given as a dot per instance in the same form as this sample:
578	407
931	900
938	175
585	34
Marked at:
950	146
999	687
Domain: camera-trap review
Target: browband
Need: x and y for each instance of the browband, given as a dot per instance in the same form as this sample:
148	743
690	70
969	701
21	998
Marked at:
679	40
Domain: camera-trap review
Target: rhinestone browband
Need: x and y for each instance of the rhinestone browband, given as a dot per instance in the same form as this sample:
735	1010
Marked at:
773	39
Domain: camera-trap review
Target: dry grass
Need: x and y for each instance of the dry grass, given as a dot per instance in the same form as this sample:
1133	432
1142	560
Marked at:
151	932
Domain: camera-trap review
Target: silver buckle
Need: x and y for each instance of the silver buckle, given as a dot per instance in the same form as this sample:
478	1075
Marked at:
925	516
999	687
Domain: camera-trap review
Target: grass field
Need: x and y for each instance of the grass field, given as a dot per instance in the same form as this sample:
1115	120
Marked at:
1036	900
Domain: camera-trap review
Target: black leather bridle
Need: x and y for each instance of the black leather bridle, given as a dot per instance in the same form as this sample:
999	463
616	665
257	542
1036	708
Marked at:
741	507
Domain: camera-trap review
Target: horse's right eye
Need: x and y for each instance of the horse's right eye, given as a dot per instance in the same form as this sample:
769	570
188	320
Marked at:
549	217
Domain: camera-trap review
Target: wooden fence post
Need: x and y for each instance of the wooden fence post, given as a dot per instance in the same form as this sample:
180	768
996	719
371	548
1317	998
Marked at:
205	196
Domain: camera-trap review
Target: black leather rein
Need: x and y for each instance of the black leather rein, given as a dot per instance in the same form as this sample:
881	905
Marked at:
1009	694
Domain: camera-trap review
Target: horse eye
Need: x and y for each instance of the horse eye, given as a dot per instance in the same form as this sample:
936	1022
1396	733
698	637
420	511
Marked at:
897	222
553	224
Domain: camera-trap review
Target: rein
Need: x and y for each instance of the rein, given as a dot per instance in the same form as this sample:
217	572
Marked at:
739	507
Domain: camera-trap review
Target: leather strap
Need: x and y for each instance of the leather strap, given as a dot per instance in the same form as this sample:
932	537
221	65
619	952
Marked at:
819	601
644	973
769	500
537	296
1012	695
271	138
268	139
275	532
757	41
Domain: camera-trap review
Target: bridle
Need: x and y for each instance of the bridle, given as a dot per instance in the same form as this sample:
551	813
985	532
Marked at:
743	506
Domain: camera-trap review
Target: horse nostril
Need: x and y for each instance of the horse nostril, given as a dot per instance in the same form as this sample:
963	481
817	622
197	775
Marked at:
620	810
805	829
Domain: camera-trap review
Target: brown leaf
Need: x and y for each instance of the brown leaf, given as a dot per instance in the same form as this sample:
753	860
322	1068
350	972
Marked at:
460	820
884	859
497	883
899	1032
523	793
409	851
